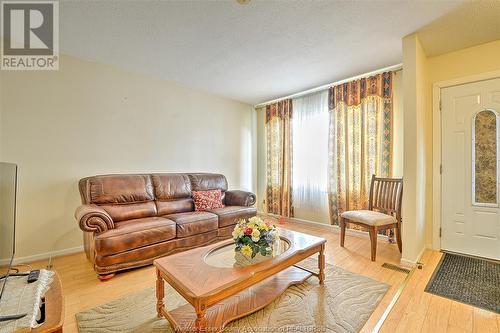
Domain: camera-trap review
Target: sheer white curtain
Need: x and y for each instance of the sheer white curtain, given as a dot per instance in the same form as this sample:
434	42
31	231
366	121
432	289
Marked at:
310	157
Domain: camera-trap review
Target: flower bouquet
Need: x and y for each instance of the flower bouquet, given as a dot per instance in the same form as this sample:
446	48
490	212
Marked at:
255	240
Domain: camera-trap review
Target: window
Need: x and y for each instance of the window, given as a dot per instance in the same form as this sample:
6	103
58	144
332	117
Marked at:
485	158
310	157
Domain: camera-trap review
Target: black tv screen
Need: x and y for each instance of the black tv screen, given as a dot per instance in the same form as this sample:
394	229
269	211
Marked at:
8	186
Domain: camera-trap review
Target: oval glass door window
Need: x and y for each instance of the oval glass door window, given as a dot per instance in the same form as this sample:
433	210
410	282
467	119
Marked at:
485	160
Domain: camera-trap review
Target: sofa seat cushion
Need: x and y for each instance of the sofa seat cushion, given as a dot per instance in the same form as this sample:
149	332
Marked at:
229	215
133	234
193	223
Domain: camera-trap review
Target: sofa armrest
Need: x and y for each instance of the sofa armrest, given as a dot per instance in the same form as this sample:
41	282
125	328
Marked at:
240	198
93	218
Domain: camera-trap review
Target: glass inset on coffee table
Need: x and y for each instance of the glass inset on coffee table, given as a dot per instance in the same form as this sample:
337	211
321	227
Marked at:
224	256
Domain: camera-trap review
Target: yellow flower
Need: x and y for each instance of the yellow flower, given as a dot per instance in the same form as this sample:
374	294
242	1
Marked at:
255	235
263	226
246	250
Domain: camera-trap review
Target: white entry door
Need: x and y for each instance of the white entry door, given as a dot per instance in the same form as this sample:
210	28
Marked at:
470	169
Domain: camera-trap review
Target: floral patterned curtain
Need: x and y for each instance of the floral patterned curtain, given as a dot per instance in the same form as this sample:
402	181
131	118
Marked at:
360	140
279	158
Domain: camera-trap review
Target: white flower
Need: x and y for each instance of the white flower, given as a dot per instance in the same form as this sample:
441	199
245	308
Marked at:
237	232
255	235
254	220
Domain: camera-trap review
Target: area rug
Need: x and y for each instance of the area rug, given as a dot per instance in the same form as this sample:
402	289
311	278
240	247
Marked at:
468	280
343	304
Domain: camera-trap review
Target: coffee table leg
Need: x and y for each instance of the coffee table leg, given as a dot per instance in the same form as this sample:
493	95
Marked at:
201	321
321	264
160	293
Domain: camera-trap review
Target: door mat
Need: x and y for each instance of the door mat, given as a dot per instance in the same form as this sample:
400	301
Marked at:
468	280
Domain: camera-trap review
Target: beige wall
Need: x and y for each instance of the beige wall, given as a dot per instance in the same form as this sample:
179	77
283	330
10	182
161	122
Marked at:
88	119
421	73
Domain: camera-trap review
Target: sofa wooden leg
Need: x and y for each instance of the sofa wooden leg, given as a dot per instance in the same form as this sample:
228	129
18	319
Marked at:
105	277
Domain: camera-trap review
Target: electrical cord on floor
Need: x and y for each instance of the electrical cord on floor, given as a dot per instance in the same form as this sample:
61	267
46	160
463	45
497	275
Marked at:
20	265
50	266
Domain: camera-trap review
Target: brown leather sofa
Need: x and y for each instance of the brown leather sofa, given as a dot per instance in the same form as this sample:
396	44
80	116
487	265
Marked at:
130	220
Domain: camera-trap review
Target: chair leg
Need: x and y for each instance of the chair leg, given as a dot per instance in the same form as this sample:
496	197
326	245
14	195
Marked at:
342	232
373	240
398	238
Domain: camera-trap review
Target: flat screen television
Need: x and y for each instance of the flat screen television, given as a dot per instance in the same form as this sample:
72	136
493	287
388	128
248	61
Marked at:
8	191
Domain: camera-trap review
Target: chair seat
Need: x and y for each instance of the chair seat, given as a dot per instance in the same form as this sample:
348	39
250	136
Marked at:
368	217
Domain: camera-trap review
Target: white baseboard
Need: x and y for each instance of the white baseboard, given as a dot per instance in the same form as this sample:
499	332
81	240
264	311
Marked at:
410	263
329	227
43	256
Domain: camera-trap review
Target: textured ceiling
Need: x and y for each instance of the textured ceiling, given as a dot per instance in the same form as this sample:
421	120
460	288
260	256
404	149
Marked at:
472	23
251	53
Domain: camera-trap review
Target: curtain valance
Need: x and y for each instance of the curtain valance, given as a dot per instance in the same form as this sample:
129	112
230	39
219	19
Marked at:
353	92
281	109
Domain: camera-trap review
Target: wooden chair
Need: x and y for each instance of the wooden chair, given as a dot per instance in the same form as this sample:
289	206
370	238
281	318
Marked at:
384	211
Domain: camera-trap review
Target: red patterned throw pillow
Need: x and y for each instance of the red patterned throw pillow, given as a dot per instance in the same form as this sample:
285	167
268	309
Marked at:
206	200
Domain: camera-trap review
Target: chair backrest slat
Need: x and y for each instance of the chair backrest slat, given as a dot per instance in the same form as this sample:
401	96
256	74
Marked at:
386	195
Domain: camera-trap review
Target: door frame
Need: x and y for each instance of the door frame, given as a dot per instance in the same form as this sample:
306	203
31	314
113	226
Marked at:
436	143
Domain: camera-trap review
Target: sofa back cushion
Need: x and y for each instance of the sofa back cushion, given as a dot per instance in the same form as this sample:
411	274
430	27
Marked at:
131	211
130	196
172	192
124	197
208	181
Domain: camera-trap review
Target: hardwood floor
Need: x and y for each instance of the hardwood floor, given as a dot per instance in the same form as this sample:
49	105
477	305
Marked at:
415	311
418	311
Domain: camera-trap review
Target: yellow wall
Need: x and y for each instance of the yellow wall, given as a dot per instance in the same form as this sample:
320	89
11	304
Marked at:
414	81
88	119
420	73
473	60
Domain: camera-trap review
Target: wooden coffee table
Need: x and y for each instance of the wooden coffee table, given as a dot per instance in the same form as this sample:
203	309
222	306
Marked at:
219	291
